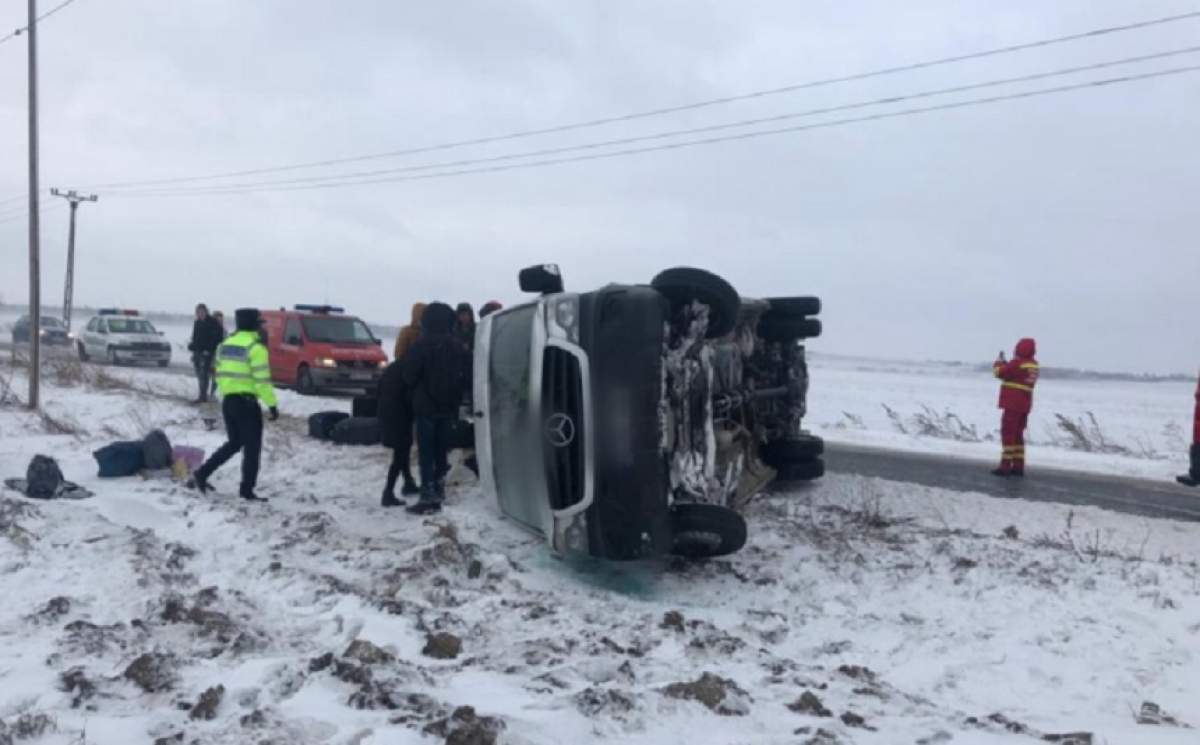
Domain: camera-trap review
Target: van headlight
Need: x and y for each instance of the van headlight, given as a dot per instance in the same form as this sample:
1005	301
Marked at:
326	362
566	315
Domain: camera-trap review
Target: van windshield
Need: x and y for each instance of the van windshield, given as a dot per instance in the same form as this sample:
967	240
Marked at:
337	330
516	446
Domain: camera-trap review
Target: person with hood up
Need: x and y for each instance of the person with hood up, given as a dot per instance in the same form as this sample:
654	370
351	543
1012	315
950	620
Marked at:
207	333
1017	379
244	379
489	308
436	368
464	325
408	334
1192	477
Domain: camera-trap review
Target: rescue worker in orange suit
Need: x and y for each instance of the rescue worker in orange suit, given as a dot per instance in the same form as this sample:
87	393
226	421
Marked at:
1017	379
1192	477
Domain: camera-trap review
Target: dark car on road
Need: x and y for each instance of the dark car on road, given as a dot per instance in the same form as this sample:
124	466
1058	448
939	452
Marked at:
639	420
53	332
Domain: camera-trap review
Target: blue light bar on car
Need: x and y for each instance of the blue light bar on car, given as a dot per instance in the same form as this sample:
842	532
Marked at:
319	308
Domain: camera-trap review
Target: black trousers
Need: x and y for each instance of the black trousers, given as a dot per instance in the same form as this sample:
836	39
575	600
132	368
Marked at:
244	427
401	455
202	363
433	447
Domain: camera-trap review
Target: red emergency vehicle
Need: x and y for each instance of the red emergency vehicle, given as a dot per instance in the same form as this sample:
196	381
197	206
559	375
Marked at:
320	349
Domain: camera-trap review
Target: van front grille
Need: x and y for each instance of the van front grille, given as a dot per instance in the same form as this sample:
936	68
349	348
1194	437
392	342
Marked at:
563	427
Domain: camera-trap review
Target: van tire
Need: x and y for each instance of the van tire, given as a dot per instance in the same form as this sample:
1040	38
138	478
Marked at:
801	471
704	530
778	453
794	307
304	381
788	329
682	285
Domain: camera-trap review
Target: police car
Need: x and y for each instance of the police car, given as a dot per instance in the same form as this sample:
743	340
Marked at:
120	336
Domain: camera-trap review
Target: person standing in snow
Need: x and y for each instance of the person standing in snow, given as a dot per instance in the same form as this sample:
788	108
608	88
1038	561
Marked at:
396	425
464	325
1017	379
244	379
1192	477
206	335
436	368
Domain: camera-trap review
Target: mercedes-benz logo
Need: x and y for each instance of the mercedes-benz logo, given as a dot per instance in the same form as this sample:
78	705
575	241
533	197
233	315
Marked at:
560	430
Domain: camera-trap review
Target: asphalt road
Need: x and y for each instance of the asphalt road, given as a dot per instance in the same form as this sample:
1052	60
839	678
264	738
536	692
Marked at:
1121	494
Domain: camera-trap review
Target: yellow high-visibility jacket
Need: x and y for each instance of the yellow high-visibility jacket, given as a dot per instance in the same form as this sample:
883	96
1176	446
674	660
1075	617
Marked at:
244	367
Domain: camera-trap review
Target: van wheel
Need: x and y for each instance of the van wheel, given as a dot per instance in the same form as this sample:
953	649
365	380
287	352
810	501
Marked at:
82	352
705	530
809	470
778	453
304	381
786	329
683	285
792	307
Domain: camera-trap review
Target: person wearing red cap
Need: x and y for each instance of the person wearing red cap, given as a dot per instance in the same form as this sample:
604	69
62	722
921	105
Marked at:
1017	379
1192	477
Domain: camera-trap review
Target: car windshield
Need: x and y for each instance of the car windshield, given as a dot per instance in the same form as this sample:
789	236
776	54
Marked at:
130	326
516	447
52	323
337	330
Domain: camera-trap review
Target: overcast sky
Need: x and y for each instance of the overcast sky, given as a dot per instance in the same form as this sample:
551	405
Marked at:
1072	218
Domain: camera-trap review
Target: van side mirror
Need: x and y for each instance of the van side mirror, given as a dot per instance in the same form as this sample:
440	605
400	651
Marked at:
544	279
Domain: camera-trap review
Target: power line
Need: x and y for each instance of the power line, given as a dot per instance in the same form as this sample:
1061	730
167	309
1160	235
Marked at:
887	100
701	142
40	18
520	134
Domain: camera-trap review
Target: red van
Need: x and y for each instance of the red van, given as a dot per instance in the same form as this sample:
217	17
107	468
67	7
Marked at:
319	349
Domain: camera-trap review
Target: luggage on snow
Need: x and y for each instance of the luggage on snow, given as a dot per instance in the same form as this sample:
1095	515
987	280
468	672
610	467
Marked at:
44	480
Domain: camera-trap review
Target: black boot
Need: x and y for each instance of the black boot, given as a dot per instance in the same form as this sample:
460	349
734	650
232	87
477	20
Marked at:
250	496
1192	477
428	503
410	487
389	500
199	482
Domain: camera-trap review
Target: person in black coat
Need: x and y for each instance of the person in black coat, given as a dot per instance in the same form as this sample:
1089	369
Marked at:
396	422
207	335
437	369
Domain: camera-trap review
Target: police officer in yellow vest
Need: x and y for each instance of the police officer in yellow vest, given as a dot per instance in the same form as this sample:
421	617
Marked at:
244	379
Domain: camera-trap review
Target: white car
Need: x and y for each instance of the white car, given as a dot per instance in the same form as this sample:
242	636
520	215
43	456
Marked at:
123	336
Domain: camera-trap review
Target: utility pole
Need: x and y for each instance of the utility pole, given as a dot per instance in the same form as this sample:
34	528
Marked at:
74	199
35	280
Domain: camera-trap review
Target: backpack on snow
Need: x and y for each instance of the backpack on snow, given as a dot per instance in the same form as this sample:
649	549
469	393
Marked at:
156	451
43	478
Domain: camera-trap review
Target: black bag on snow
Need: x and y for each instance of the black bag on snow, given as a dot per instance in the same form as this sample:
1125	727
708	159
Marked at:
43	478
156	451
321	424
365	406
120	459
357	431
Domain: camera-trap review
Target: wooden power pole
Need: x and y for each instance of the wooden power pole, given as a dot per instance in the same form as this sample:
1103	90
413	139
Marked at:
74	199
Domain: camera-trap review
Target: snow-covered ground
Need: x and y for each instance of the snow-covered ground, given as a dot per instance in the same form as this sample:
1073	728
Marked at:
862	611
1134	428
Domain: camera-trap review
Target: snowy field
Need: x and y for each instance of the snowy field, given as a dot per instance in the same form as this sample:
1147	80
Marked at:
861	611
1132	428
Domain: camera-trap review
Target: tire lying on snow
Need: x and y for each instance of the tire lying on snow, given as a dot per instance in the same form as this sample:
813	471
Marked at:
682	285
782	452
704	530
321	424
785	328
357	431
800	471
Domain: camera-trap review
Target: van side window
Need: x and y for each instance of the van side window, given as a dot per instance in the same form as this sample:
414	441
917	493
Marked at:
291	334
